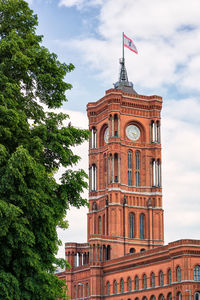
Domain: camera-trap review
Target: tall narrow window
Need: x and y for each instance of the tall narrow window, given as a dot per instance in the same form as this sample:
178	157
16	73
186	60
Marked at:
115	287
153	172
116	167
131	225
153	132
142	236
99	224
129	284
145	281
136	283
108	252
94	137
152	280
157	132
197	296
108	288
161	278
115	125
75	292
129	167
94	178
169	296
87	290
197	273
105	170
158	173
137	168
179	296
169	275
79	291
122	286
178	274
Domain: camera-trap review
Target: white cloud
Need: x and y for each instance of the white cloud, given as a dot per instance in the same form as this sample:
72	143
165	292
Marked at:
166	34
80	3
181	168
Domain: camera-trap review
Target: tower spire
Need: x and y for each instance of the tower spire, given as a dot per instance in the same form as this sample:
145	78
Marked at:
123	83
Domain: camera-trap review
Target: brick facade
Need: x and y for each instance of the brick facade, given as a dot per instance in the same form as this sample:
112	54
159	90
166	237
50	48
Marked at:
124	257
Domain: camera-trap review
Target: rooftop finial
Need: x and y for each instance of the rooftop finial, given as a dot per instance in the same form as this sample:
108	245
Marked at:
123	83
123	77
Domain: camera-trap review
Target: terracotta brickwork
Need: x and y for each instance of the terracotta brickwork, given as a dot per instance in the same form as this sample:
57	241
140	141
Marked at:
113	198
124	257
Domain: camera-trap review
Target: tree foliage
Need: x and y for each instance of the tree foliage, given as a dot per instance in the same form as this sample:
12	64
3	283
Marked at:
33	145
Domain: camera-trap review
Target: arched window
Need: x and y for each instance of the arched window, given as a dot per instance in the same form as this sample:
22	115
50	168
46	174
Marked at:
158	132
116	125
153	172
115	287
105	170
87	290
158	171
99	223
129	167
94	178
132	250
108	288
169	276
94	206
129	284
144	281
161	297
197	296
137	168
142	235
178	274
197	273
153	297
79	291
152	280
122	286
153	132
179	296
75	292
136	283
131	225
94	137
161	278
108	252
169	296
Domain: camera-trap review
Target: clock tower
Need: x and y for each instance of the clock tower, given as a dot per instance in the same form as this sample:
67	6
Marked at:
125	193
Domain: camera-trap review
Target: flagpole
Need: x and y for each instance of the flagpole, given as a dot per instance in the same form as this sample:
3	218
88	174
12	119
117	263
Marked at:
123	46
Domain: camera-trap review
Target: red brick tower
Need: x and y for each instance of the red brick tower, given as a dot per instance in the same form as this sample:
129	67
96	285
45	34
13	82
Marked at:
125	196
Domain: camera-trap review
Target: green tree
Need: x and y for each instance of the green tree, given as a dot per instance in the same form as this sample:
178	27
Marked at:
34	143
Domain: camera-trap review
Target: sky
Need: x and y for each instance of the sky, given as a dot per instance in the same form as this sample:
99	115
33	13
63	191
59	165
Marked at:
88	33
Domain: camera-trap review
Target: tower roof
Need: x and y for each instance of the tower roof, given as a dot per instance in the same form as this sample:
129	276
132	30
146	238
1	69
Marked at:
123	83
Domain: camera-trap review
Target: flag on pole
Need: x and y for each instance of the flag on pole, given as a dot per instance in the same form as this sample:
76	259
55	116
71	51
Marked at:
129	44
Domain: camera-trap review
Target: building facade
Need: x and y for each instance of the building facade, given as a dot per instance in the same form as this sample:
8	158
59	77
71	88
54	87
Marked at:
125	257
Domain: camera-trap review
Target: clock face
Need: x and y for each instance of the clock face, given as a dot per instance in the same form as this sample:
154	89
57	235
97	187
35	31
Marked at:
106	135
132	132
